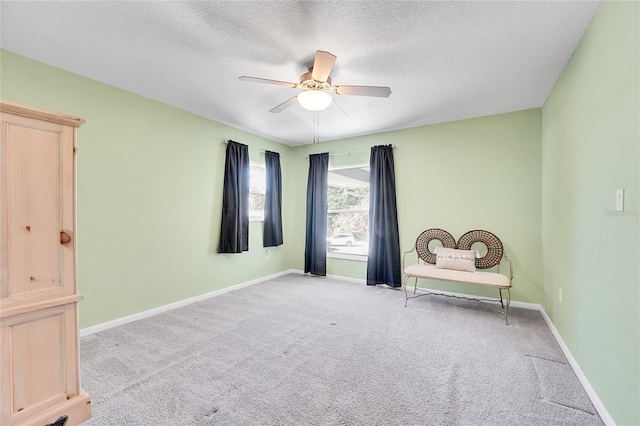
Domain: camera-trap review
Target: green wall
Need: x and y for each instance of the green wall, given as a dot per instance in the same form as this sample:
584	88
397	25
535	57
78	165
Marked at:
590	145
483	173
149	184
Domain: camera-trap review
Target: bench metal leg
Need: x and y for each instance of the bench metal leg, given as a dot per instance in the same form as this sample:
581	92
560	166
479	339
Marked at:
505	306
405	282
404	287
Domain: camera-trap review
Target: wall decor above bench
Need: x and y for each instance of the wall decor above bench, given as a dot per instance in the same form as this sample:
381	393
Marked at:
459	262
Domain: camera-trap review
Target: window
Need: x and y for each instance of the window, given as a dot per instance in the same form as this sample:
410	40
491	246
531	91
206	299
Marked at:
257	191
348	212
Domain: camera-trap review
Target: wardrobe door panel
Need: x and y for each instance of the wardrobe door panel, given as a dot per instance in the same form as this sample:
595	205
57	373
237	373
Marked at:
42	353
39	210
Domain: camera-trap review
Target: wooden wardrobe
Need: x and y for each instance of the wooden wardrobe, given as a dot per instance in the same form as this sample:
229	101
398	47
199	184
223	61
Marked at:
39	346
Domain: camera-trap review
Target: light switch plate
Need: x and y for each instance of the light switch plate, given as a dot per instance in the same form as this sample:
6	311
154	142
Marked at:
620	200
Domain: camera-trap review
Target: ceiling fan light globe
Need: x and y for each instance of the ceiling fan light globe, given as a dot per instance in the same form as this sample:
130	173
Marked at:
314	100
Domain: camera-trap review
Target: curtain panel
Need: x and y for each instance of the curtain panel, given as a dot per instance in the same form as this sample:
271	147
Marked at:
234	228
272	231
315	251
383	264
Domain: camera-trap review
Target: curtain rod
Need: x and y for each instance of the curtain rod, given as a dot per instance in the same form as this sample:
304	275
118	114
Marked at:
350	152
226	141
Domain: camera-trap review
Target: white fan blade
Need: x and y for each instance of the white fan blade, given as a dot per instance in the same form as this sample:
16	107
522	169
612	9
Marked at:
322	66
378	91
267	81
286	104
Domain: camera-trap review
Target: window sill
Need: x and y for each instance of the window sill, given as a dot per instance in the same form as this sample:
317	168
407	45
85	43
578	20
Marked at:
346	256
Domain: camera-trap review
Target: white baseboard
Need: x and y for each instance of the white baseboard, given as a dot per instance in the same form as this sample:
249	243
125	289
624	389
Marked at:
335	277
597	403
351	280
593	396
151	312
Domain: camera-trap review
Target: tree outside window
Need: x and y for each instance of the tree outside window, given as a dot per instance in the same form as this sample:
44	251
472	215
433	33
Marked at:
257	191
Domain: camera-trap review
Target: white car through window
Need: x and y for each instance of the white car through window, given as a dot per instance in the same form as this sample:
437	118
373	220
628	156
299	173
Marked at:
342	240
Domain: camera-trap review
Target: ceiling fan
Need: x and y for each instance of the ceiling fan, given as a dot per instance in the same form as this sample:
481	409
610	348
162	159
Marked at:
316	86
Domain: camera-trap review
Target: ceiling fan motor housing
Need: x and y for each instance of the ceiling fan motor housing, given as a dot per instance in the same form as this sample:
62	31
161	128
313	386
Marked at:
308	83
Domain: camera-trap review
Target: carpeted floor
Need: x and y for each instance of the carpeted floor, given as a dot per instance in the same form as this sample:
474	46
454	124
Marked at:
300	350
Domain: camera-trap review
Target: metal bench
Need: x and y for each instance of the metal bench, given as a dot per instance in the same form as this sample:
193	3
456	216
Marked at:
493	257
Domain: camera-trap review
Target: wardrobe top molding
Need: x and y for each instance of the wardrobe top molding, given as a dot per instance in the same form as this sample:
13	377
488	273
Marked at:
40	114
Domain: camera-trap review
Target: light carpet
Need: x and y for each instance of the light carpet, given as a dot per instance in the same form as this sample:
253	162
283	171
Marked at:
301	350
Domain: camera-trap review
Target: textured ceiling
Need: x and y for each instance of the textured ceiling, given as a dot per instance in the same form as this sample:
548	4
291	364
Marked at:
444	61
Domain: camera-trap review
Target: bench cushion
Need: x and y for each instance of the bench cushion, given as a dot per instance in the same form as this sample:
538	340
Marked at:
491	279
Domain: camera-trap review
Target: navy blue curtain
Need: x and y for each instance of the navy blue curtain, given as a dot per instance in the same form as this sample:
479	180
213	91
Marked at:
234	229
315	251
272	231
383	264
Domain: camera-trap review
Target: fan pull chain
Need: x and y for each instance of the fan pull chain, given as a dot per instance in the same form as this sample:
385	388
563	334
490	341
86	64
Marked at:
316	126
